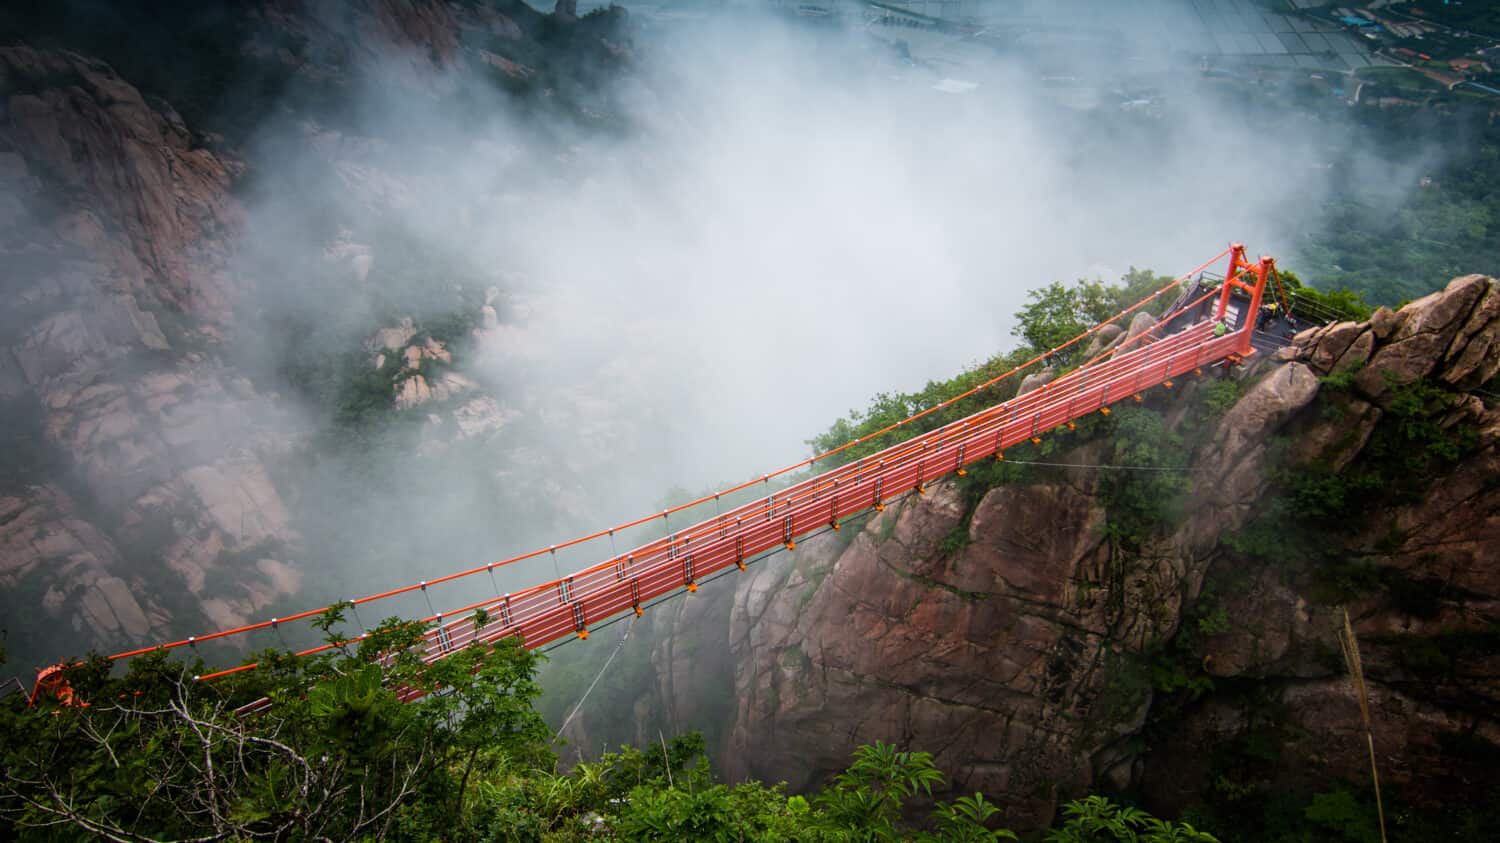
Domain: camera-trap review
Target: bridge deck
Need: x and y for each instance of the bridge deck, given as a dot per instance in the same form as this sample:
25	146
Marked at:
1190	337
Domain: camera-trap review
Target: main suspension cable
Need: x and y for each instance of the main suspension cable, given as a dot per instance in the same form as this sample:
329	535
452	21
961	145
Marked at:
193	640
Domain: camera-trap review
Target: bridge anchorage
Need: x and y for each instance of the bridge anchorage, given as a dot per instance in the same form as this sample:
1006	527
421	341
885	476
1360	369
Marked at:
1213	320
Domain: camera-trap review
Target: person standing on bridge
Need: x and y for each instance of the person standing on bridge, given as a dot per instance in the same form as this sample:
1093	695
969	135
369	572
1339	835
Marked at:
1221	328
1268	314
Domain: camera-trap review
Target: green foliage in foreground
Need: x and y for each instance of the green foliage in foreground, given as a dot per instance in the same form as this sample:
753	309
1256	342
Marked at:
157	755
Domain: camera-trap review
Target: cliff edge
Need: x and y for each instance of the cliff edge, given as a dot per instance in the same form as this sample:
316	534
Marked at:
1050	631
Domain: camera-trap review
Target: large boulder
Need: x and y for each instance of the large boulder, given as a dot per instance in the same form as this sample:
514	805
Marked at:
1037	380
1342	345
1140	324
1474	355
1105	339
1425	337
1269	403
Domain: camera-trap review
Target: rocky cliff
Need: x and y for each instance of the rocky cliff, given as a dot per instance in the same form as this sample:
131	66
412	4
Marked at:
155	476
1043	630
115	272
1047	631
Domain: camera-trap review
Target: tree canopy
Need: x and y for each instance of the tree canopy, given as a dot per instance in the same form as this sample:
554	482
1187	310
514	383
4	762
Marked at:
154	754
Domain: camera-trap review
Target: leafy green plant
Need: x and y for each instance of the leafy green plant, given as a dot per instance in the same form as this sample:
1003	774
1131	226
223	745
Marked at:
954	540
1096	819
1217	396
1341	379
338	755
1058	312
1142	503
966	820
869	794
1342	815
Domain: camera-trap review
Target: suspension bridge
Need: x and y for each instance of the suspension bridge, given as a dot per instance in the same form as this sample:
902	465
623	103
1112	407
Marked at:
1206	324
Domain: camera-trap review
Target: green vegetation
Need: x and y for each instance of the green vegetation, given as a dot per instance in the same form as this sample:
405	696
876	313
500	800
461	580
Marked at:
1398	227
1319	500
1301	531
1097	819
1403	79
1055	314
1341	304
329	365
1142	503
1446	656
1305	531
889	408
1248	802
1174	667
156	754
227	69
1405	183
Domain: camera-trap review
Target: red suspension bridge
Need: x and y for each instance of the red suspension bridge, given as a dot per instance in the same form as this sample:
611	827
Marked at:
1203	327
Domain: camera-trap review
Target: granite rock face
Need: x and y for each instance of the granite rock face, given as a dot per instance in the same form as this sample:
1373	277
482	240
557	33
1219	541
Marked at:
147	201
1007	653
116	272
155	458
58	559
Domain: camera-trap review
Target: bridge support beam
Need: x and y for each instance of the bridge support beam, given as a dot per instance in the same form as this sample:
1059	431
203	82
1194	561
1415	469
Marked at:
1250	279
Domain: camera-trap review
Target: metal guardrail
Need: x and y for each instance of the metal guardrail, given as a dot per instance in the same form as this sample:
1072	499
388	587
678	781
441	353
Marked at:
1306	307
679	560
13	685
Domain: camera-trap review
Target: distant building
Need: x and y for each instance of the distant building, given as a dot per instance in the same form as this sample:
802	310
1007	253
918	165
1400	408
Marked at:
1447	80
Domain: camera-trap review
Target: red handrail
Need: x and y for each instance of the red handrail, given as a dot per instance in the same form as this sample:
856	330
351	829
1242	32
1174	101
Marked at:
550	610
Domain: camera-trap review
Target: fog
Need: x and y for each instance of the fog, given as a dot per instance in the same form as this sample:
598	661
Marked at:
800	227
788	223
683	263
678	267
